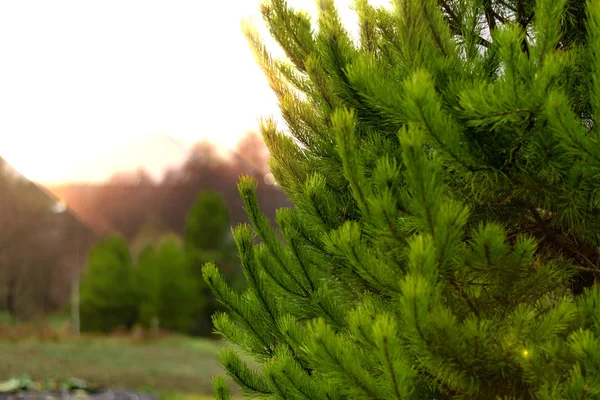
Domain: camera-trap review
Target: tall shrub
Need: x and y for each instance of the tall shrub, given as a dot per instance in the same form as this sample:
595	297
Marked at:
109	297
207	238
207	222
169	290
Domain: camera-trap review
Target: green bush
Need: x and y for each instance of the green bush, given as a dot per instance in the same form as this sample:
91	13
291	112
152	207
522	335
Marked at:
207	222
207	239
166	285
168	289
109	298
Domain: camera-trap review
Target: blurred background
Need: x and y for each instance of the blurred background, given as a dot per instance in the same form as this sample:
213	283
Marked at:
124	126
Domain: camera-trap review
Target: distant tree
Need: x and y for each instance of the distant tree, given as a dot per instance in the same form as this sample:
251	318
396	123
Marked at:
207	222
168	289
147	279
152	232
124	203
109	298
204	154
252	155
138	176
207	239
31	245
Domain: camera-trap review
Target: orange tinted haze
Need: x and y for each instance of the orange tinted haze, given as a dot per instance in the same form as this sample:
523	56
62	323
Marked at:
79	79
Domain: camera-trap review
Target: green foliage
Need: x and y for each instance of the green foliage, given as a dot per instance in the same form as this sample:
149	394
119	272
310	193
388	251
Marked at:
207	222
444	240
148	274
207	240
109	296
168	289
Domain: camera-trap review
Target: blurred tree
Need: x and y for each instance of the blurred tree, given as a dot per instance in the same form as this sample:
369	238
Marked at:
204	154
124	203
147	280
36	256
169	291
207	222
207	238
152	232
252	155
137	177
109	298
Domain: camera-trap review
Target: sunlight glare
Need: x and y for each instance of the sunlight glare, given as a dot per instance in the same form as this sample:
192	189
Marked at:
81	79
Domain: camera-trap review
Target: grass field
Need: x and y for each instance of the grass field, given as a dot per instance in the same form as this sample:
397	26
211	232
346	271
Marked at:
176	367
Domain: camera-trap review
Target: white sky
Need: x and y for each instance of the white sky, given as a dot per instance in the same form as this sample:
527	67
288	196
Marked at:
81	78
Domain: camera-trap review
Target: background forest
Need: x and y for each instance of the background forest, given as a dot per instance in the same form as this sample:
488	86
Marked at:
134	222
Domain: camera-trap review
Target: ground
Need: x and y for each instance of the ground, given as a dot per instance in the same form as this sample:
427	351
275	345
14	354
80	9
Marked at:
177	367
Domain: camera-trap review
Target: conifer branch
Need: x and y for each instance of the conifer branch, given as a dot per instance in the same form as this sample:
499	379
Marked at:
388	359
455	24
279	388
221	390
294	245
247	378
490	16
507	5
449	392
268	271
522	20
469	302
416	317
343	367
577	139
298	388
243	240
582	254
233	302
439	140
432	28
399	240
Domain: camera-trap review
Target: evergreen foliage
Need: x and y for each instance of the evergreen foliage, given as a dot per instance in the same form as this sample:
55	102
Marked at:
444	240
168	289
207	222
109	297
207	239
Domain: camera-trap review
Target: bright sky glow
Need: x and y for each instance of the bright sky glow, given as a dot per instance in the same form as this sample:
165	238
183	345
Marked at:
79	79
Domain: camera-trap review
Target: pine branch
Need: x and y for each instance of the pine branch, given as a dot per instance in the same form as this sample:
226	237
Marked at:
221	389
507	5
490	16
391	367
462	294
523	21
342	366
498	16
434	32
582	254
455	25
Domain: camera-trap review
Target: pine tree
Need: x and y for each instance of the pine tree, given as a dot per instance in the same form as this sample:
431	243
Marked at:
167	286
207	239
207	222
109	297
444	239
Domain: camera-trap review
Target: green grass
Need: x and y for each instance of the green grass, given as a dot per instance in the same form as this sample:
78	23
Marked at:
179	366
